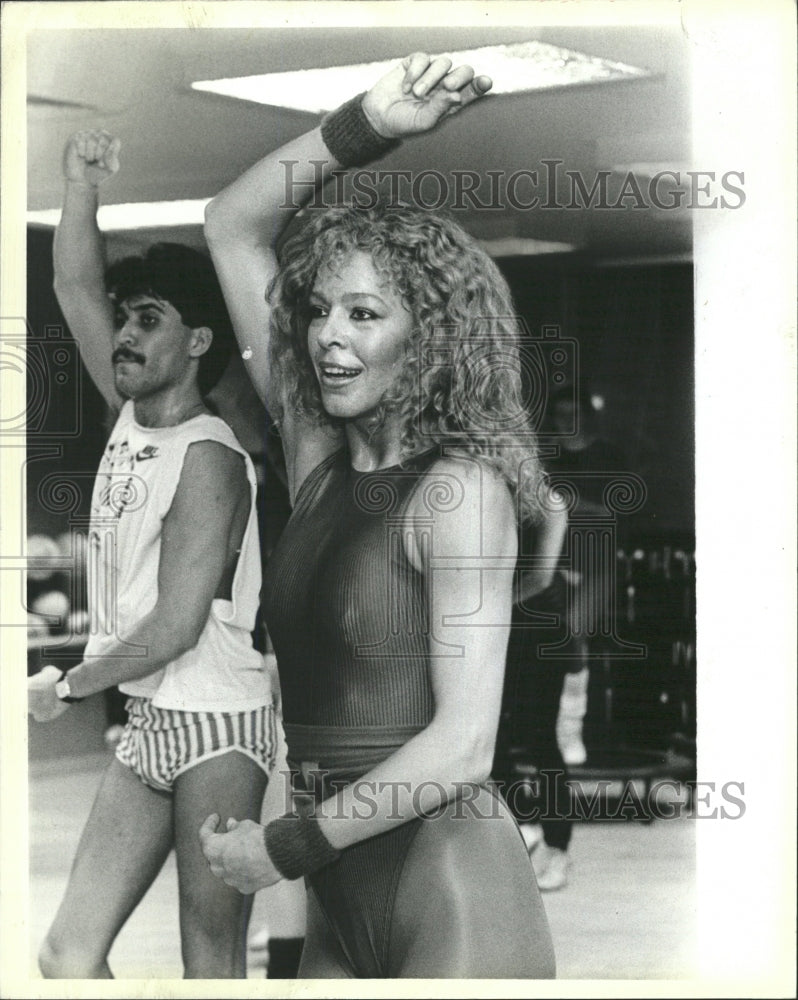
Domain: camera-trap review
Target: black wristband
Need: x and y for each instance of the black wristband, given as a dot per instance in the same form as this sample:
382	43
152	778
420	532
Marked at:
297	846
350	136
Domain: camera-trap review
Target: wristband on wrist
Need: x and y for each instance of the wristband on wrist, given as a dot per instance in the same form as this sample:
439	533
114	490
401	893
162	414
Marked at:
297	846
350	136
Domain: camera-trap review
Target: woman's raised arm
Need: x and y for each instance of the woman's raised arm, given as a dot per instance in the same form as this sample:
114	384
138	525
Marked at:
245	221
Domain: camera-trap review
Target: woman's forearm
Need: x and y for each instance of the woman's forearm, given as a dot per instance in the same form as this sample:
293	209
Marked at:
258	205
435	766
243	225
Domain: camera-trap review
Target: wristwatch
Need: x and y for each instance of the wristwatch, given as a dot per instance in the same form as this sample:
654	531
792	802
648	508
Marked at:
62	691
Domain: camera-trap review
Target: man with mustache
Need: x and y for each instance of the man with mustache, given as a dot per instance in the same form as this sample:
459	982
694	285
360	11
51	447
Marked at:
174	582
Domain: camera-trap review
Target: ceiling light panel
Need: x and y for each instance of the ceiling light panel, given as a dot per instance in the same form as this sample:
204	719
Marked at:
516	68
134	215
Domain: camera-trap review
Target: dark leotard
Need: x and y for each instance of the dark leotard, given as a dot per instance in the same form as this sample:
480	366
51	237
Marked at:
345	608
451	896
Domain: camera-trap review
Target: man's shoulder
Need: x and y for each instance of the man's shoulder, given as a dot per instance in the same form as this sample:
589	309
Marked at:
211	462
210	427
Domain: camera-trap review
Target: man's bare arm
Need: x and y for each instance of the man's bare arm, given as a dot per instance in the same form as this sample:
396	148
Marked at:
201	533
79	256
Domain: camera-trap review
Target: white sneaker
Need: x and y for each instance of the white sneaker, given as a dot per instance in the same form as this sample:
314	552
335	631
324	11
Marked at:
555	873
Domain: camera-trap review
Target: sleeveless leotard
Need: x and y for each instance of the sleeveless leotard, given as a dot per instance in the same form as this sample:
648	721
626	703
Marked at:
344	606
450	896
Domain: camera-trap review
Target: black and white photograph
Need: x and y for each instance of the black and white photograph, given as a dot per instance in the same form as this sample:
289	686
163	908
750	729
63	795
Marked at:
398	521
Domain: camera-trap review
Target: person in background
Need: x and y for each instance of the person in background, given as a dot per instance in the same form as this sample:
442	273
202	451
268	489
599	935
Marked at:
545	698
585	454
531	702
174	581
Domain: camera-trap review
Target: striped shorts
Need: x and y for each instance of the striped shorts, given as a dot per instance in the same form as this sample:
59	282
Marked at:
159	744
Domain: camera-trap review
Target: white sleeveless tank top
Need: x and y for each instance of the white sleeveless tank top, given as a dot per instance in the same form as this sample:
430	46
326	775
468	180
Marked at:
136	482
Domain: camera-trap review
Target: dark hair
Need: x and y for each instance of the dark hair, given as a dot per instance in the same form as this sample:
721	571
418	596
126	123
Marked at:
186	279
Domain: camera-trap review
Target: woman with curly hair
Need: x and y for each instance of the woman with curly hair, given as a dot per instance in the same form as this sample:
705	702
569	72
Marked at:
387	352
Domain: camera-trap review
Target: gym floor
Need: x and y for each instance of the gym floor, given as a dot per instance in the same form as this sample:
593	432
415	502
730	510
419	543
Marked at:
627	912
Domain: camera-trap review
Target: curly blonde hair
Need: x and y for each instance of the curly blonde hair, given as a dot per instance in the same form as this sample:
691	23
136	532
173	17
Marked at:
461	384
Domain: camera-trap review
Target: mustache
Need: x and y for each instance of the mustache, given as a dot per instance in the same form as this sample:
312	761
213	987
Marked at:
125	354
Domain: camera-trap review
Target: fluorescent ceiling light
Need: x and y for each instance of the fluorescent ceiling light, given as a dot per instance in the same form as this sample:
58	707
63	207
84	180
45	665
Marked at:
517	246
516	68
162	214
135	215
